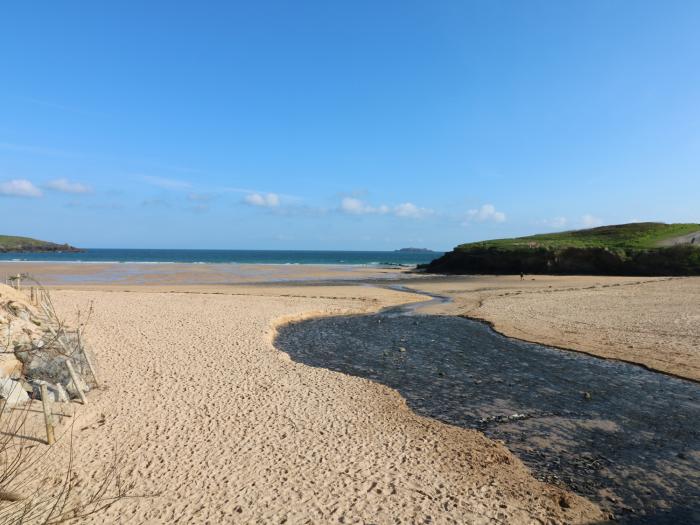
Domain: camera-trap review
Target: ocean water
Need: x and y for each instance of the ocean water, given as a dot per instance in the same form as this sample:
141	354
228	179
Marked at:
229	256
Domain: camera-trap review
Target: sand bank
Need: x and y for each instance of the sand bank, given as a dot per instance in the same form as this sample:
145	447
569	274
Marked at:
650	321
208	414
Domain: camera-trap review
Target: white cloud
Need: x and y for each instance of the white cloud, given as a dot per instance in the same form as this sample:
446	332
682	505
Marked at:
408	209
265	200
487	213
355	206
66	186
589	221
19	188
168	184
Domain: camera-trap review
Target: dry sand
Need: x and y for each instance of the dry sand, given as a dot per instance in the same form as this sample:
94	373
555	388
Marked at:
207	414
650	321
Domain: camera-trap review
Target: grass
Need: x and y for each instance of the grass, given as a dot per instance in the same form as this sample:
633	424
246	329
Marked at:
8	242
640	236
11	243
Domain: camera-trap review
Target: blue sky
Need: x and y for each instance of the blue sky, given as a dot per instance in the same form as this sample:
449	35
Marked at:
344	125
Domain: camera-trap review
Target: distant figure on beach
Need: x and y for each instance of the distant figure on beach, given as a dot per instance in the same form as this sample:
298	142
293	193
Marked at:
522	276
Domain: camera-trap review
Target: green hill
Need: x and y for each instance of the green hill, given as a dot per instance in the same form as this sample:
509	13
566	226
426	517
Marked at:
25	244
647	248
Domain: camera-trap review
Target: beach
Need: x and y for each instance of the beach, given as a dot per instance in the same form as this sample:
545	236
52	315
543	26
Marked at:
653	322
214	424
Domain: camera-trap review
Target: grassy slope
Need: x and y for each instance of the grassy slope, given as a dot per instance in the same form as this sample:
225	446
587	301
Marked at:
643	235
8	242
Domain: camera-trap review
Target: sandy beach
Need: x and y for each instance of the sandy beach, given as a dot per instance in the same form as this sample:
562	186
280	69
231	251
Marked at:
207	414
214	424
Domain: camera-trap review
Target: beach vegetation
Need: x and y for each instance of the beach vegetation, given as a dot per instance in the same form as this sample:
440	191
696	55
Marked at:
650	249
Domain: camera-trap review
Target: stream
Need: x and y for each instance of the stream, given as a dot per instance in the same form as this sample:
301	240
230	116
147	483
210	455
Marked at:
623	436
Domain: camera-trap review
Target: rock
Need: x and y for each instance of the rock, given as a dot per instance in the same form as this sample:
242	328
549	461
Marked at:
10	366
12	392
70	387
49	364
57	393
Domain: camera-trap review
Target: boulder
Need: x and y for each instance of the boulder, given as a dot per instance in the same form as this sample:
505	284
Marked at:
10	366
12	392
57	393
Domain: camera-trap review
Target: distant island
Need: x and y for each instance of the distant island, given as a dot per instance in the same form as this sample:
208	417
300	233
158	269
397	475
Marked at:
25	244
648	248
414	250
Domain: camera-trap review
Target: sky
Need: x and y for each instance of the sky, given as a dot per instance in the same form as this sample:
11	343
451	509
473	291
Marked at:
363	125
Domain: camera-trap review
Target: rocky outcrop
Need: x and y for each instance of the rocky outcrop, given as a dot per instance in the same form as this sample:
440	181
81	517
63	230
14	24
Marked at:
26	244
672	261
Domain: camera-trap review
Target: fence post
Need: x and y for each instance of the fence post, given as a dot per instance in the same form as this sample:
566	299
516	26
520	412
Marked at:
48	418
89	363
74	377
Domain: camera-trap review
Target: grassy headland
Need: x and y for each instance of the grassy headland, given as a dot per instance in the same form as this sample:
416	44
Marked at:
647	248
10	243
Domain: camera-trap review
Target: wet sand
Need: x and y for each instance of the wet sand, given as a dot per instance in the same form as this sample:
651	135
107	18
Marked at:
654	322
623	436
125	274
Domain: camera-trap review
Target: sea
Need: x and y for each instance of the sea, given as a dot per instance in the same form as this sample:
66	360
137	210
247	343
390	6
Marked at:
114	255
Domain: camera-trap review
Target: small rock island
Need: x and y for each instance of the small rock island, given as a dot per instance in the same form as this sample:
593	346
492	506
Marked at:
414	250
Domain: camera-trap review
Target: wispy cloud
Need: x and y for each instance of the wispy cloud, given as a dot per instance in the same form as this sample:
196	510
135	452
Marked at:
65	186
486	213
199	208
155	203
590	221
264	200
166	183
19	188
557	223
200	197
